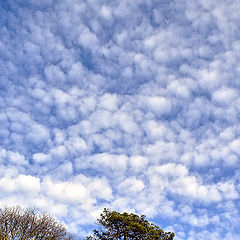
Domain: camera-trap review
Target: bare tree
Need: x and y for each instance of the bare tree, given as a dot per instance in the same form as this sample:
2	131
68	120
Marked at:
17	223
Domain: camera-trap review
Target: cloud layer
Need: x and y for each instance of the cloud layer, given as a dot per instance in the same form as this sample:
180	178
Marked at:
121	104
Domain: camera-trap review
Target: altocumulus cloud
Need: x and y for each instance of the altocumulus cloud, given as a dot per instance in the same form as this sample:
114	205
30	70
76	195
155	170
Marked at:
132	105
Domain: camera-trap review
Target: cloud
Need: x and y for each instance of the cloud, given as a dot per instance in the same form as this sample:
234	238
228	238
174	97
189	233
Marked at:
158	105
16	158
132	106
114	162
138	163
224	96
109	102
40	157
66	192
131	186
21	183
177	180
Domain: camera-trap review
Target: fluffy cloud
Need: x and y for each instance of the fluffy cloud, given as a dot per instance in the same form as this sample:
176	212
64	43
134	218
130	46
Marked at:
21	183
133	106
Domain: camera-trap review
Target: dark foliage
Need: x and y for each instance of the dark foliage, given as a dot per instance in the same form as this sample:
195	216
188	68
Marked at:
115	226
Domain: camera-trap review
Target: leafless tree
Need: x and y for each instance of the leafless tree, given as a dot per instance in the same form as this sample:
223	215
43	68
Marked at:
17	223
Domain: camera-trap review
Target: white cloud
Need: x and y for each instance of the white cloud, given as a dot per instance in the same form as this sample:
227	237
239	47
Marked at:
60	96
3	154
106	12
100	141
228	134
59	136
76	72
16	158
37	133
109	102
201	221
235	146
122	104
98	187
114	162
22	183
225	96
162	151
179	89
131	186
28	183
87	38
7	184
58	152
54	74
176	179
157	130
209	79
101	119
126	122
138	163
159	105
76	144
40	158
228	190
68	192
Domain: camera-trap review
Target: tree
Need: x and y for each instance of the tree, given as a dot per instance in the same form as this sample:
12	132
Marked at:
17	223
115	225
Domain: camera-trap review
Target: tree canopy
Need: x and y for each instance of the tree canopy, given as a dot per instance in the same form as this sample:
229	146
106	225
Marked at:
115	225
17	223
27	224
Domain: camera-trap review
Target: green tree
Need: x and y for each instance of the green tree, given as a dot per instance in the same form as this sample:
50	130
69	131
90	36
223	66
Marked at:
17	223
115	225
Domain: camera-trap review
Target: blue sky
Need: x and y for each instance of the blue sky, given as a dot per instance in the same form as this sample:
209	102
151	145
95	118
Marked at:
131	105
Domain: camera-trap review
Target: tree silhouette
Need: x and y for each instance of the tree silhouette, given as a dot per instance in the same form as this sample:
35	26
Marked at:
17	223
118	226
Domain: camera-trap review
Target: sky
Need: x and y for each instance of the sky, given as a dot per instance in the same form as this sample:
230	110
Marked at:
129	105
